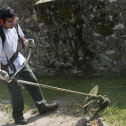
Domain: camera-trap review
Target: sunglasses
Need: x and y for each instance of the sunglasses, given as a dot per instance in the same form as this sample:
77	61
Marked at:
11	22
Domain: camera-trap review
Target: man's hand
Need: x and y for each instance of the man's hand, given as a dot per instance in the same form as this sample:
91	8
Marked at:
4	75
29	42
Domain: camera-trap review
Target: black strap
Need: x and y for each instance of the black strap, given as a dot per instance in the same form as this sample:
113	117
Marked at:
16	27
2	35
10	62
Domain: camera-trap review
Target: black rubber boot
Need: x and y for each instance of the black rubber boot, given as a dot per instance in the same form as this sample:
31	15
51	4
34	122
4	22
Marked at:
21	121
47	107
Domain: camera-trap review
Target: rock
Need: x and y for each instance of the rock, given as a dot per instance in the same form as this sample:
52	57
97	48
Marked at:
102	123
113	1
118	27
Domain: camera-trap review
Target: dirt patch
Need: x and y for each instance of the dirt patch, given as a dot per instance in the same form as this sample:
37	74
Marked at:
49	119
69	113
65	115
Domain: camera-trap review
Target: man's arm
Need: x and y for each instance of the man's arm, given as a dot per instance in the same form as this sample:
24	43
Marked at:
23	39
0	65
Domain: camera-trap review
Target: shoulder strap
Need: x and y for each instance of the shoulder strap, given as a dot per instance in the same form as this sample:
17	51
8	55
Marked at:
2	35
16	27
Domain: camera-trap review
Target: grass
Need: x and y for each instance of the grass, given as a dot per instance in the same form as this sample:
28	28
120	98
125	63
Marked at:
113	87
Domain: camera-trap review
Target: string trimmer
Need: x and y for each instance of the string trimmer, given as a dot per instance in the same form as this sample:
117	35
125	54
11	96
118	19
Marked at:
103	100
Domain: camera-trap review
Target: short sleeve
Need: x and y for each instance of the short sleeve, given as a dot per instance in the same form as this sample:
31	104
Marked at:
0	48
21	34
0	45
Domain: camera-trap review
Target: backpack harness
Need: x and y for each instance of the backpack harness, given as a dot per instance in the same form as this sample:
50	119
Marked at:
14	56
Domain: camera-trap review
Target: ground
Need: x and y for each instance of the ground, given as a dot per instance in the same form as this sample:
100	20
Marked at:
61	117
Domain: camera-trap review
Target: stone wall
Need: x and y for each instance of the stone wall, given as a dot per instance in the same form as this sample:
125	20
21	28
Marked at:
74	37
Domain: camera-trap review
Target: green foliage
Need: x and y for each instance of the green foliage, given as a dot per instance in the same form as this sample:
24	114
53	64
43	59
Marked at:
8	108
4	93
116	115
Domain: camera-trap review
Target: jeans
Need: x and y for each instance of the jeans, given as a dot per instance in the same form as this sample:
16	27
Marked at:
16	94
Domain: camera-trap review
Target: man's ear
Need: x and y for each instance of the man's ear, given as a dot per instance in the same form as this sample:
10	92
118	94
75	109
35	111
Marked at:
1	21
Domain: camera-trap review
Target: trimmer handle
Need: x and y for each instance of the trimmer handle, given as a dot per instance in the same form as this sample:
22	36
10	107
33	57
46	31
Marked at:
12	77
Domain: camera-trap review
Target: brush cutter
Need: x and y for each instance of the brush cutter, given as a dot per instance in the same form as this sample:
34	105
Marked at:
103	100
100	103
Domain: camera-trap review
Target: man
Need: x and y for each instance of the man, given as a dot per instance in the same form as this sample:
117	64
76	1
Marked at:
11	60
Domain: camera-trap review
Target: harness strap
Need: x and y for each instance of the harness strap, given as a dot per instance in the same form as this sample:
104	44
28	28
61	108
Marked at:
16	27
2	35
10	62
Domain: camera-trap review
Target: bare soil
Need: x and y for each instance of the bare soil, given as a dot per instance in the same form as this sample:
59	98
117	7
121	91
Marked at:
65	115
